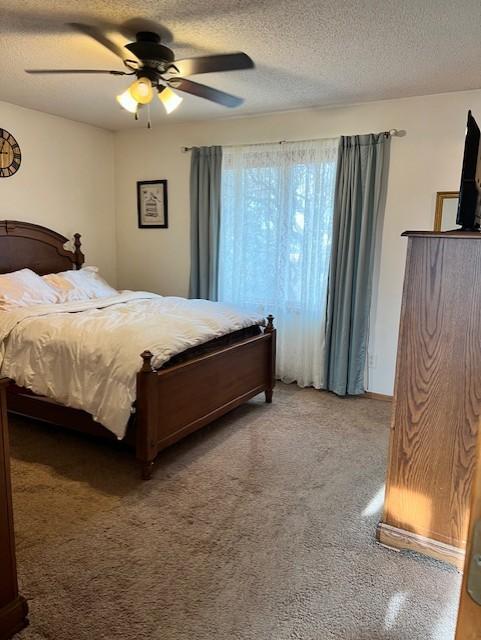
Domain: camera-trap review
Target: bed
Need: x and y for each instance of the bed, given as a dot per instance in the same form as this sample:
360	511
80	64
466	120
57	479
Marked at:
186	393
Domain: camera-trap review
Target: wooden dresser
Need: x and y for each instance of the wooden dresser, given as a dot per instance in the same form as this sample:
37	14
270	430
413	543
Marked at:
13	608
437	397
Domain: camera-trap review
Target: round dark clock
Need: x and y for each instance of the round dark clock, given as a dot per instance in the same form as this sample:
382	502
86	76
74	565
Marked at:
10	154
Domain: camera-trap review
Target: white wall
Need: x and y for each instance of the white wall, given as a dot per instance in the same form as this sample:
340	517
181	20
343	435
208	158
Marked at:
65	182
426	160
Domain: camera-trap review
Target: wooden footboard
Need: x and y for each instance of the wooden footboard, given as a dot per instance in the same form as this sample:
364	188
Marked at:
174	402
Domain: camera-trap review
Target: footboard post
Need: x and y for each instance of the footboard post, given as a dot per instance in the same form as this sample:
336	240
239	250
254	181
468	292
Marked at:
272	362
146	418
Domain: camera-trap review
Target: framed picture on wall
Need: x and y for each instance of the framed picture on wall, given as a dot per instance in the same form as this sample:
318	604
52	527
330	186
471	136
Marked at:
152	204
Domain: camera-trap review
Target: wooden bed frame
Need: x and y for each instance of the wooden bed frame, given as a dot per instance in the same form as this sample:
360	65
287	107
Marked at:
172	401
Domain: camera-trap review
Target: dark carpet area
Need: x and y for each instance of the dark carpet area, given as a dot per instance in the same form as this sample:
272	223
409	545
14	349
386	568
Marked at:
259	527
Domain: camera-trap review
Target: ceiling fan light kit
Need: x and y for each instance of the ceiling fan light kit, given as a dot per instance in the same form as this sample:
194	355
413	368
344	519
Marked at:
141	90
156	68
169	99
127	101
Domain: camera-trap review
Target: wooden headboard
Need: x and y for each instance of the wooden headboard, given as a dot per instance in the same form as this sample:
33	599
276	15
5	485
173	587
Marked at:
25	245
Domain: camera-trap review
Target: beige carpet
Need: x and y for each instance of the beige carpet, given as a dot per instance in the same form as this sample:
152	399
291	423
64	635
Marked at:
261	527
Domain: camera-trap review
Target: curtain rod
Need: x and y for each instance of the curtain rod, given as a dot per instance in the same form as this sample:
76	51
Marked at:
391	132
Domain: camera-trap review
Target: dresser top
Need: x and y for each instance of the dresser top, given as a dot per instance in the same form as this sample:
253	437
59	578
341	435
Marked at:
471	235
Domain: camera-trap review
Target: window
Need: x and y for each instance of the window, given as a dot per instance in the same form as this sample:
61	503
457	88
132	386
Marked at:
275	243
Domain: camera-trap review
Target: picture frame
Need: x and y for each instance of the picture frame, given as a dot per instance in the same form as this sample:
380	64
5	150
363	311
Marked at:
152	204
445	212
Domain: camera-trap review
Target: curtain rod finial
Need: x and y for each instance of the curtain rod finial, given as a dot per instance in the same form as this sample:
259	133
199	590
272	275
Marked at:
399	133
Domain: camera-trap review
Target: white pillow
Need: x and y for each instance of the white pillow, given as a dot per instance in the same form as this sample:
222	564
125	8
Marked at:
24	288
84	284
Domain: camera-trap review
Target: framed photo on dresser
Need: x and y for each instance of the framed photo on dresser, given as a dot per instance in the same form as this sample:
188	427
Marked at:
152	204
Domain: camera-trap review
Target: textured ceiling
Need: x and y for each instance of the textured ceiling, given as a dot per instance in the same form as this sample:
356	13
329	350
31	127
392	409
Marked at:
307	53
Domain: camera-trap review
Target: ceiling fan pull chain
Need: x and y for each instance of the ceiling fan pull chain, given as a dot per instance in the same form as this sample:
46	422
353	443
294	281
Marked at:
149	124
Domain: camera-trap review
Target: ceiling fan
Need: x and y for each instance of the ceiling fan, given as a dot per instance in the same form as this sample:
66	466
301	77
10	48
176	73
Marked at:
156	70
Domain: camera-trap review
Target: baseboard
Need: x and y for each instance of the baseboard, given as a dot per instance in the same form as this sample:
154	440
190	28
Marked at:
398	539
377	396
13	617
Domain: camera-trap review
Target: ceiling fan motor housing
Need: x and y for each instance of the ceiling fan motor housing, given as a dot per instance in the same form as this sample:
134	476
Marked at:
155	57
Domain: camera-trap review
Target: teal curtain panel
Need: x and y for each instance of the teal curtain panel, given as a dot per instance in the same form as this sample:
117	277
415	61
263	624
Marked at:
205	200
361	183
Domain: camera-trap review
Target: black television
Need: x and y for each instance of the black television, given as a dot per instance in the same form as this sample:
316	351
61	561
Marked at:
469	206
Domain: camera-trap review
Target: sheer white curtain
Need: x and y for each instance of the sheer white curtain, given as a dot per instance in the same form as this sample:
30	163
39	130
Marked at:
275	244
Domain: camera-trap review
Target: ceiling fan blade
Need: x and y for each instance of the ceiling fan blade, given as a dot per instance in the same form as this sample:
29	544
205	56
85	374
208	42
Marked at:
211	64
58	71
100	37
203	91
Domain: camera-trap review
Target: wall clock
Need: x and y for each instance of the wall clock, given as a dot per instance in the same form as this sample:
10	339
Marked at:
10	154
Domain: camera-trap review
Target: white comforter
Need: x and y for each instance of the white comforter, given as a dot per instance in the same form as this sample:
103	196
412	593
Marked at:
86	354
